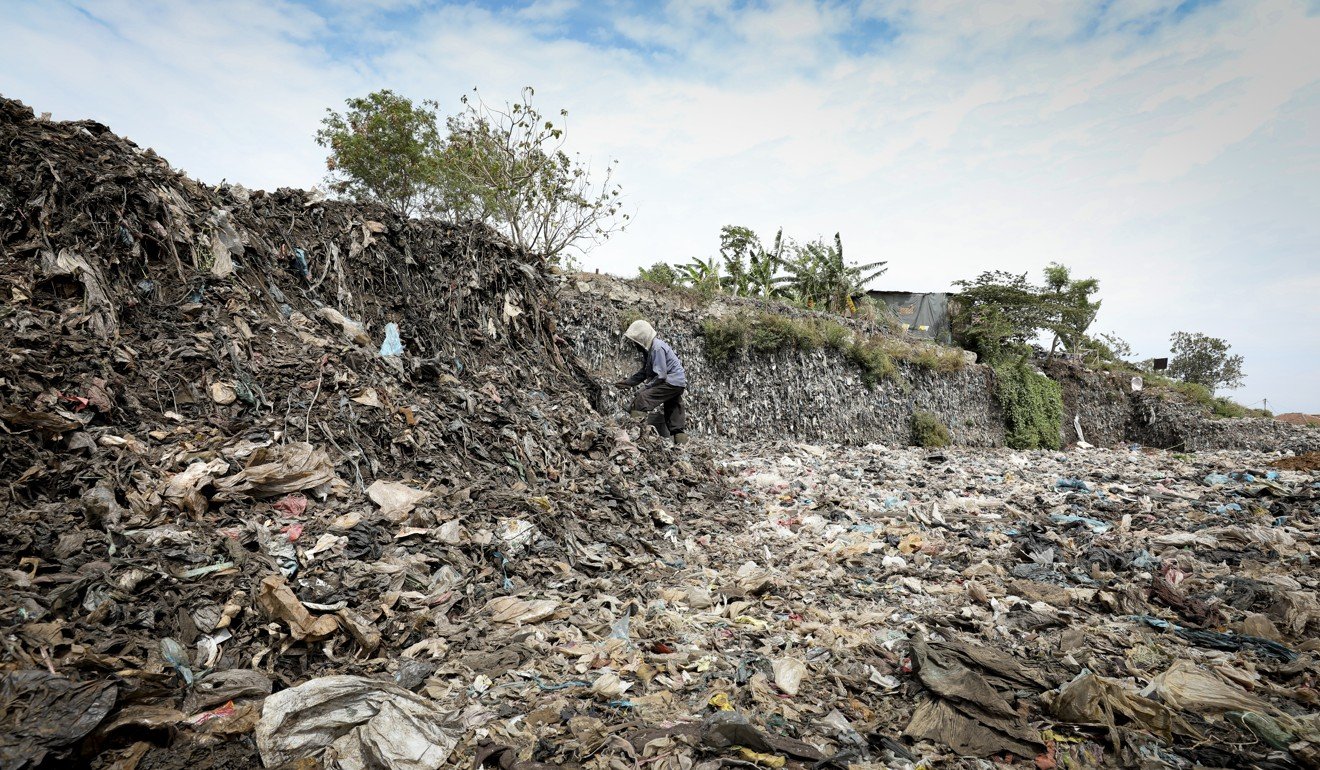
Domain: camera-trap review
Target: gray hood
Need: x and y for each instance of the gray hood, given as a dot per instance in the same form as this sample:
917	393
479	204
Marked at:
641	333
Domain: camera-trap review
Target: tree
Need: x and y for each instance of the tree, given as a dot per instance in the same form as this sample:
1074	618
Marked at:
739	246
751	269
1107	348
507	167
1205	361
763	273
819	276
384	149
1071	311
998	313
702	275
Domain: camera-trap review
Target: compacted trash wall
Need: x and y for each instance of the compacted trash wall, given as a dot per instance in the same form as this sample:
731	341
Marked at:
819	396
806	395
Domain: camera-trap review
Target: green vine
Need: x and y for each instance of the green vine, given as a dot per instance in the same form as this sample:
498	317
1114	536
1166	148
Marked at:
1032	404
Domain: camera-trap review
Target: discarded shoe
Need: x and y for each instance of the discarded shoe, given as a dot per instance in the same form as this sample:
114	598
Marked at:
680	438
637	414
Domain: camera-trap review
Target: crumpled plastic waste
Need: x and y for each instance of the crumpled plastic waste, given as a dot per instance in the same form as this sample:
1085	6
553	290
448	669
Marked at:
279	470
392	346
43	715
1092	699
355	723
394	498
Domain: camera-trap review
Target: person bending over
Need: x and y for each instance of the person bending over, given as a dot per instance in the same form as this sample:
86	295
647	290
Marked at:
663	382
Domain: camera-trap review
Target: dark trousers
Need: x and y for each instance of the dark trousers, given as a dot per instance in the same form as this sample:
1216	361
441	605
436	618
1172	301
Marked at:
672	419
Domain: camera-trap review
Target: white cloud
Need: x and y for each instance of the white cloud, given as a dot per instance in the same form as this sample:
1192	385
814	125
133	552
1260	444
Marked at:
1171	157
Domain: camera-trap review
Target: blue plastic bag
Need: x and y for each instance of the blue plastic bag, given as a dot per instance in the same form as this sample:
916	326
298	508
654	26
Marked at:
392	346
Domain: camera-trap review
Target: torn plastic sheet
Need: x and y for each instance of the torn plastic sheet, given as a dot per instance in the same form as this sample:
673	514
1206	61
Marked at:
1098	700
355	723
279	470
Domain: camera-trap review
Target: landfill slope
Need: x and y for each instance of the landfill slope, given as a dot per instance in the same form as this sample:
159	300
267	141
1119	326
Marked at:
193	400
245	526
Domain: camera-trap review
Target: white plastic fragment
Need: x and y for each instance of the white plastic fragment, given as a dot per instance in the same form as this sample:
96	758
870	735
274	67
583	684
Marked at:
510	609
395	498
788	674
392	346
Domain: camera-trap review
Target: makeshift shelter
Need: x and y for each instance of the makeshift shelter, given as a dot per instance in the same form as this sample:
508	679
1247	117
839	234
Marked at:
923	314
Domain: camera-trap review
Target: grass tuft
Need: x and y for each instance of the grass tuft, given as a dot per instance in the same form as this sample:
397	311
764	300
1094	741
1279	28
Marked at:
767	332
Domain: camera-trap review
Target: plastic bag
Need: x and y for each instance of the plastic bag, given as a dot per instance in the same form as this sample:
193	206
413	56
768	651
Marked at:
392	346
355	723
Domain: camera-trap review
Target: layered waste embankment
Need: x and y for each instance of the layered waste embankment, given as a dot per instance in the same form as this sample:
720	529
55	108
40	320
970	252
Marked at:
212	452
818	395
812	395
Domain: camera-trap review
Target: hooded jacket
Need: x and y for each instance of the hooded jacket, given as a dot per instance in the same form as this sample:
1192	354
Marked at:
660	364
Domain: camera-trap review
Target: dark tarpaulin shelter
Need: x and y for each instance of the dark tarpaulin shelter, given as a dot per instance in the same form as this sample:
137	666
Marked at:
924	314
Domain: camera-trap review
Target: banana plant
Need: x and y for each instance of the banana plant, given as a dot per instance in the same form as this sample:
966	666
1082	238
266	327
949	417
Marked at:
701	274
819	277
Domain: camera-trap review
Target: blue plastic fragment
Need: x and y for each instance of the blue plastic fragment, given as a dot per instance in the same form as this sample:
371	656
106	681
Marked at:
1144	560
392	346
556	686
177	657
300	264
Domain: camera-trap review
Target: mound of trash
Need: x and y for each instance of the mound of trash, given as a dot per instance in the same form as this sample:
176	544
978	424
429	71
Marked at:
249	439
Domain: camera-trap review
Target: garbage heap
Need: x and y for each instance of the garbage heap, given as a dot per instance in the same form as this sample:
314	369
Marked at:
248	440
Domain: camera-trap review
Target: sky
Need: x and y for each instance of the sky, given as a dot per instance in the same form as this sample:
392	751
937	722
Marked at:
1168	148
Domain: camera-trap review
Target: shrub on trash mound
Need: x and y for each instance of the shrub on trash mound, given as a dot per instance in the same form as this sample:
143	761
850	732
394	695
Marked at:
929	431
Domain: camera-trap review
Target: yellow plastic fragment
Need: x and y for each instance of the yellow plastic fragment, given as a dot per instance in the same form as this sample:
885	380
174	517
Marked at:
765	760
911	543
720	700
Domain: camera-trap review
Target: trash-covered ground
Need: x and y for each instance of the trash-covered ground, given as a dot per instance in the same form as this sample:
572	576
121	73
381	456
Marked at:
295	483
853	607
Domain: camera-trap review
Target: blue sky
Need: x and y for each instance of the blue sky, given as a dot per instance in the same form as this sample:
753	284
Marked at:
1169	148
